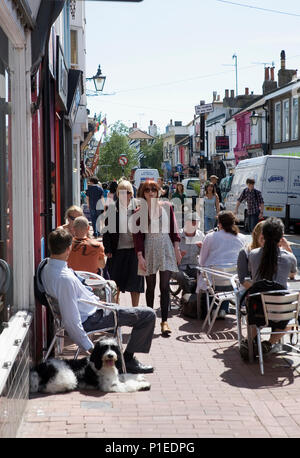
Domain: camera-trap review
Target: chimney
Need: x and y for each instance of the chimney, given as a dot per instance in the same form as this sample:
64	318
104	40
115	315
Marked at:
282	57
232	94
272	73
214	96
267	73
246	91
226	93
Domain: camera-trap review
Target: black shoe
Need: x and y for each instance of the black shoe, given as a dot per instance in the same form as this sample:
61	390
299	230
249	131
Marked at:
133	366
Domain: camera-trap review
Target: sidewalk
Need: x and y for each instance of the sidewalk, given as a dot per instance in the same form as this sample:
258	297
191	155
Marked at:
200	388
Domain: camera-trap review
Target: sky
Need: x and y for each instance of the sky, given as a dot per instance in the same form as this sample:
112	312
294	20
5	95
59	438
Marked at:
161	57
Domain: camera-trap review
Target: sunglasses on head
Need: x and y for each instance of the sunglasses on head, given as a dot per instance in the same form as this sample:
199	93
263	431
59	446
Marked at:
150	189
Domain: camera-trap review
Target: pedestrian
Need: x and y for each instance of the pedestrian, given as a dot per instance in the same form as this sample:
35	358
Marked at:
164	189
95	202
255	203
214	180
122	262
71	214
157	247
211	207
178	199
78	318
112	191
105	191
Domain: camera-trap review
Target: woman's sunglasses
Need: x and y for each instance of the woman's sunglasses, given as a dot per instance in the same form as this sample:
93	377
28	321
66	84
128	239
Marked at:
150	190
72	218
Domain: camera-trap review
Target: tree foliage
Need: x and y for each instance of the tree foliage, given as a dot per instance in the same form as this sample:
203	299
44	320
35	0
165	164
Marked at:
153	154
117	144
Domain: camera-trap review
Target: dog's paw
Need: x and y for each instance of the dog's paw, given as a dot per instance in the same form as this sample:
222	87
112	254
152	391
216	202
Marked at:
145	387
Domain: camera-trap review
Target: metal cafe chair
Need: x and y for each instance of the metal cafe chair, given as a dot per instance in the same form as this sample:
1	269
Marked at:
5	278
278	306
221	285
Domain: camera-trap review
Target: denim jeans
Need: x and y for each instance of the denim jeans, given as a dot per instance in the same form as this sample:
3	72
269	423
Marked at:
252	221
94	216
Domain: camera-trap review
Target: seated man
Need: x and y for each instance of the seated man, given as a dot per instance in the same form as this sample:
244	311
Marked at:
190	245
78	318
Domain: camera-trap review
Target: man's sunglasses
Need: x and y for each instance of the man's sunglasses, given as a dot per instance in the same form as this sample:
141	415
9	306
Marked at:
150	190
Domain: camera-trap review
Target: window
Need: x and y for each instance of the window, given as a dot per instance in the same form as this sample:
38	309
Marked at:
277	122
74	48
295	118
286	121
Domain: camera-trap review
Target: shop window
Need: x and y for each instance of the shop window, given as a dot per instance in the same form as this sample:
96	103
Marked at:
286	121
74	49
295	118
277	122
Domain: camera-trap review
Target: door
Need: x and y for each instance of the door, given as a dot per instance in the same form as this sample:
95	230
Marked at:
294	188
275	187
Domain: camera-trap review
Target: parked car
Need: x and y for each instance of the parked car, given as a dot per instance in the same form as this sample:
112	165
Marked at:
278	178
225	186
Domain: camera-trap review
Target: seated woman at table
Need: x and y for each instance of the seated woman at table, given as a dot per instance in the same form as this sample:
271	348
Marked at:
273	262
222	247
257	242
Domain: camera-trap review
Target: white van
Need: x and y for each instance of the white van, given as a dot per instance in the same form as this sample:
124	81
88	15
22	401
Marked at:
278	178
142	175
188	184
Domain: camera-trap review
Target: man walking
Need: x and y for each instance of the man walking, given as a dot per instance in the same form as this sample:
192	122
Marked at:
95	202
255	203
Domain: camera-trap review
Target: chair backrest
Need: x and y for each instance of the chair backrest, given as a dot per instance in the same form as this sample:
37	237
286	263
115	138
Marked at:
5	276
281	305
39	290
217	280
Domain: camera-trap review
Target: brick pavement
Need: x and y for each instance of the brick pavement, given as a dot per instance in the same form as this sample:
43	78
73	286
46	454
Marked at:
200	388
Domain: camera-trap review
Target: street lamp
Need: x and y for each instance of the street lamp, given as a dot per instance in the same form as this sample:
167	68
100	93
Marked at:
254	118
99	80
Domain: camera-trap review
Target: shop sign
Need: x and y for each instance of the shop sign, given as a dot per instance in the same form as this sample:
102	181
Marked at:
62	76
222	144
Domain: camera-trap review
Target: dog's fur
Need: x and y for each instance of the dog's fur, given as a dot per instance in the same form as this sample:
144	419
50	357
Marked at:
97	372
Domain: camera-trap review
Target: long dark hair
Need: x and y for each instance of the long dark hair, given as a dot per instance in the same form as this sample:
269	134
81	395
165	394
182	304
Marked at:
273	230
228	222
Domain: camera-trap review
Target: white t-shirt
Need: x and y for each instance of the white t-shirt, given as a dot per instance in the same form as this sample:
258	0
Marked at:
221	248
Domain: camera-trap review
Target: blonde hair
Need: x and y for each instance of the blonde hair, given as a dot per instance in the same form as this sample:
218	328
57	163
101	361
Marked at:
124	185
73	208
81	223
255	236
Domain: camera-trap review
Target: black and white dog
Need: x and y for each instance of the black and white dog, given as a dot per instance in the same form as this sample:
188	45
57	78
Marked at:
97	372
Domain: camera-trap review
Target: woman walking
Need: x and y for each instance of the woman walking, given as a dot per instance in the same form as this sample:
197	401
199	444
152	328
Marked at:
118	243
211	207
178	198
157	247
